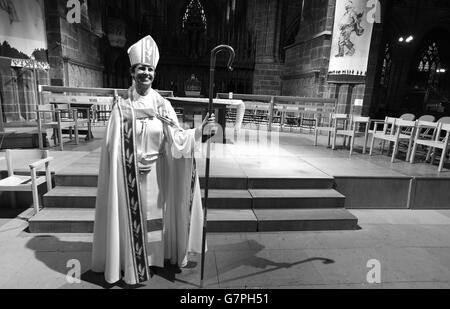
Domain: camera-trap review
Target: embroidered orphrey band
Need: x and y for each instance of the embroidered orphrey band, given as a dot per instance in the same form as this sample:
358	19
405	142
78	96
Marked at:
136	217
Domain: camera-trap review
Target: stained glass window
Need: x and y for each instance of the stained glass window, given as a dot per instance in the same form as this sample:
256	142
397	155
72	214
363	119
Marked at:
194	16
430	59
430	63
387	64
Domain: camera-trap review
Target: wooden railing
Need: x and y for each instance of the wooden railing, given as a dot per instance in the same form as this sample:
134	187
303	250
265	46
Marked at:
260	109
285	110
101	99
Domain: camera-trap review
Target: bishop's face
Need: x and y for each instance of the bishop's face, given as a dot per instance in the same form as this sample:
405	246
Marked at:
143	76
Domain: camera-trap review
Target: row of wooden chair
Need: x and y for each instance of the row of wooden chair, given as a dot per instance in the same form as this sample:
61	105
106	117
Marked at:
396	131
281	115
67	109
434	135
346	126
58	118
422	132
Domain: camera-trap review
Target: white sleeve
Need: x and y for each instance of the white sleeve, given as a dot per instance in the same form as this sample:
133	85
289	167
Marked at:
183	141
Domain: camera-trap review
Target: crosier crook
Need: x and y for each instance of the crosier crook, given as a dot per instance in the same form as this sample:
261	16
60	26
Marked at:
214	54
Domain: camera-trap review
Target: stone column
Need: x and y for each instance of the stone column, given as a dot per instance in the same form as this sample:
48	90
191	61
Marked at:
266	78
306	64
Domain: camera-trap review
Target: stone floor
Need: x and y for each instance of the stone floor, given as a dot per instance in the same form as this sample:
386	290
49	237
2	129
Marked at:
251	147
412	246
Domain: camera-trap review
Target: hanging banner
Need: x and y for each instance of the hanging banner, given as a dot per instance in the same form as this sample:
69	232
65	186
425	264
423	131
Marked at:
22	30
352	35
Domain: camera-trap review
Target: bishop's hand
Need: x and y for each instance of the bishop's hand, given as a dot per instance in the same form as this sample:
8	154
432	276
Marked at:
209	122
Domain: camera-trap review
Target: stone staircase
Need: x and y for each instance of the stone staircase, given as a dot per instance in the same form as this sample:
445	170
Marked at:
235	205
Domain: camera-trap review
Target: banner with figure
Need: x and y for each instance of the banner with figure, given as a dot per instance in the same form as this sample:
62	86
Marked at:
352	35
22	30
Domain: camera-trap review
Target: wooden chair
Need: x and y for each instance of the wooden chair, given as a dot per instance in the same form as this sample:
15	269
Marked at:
392	132
436	142
444	120
231	113
315	115
19	161
408	117
421	139
165	93
262	115
353	131
428	118
290	117
426	132
373	125
307	117
250	113
49	117
277	116
336	121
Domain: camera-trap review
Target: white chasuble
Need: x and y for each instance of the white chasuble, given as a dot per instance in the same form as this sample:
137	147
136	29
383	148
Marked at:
147	170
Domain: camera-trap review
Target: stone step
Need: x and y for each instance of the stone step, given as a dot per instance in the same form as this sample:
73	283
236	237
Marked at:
231	221
85	197
54	220
76	180
228	199
225	183
90	180
57	220
270	220
216	182
319	182
76	220
297	199
70	197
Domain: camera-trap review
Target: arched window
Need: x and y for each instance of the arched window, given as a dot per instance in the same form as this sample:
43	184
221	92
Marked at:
194	26
387	64
430	63
430	59
194	16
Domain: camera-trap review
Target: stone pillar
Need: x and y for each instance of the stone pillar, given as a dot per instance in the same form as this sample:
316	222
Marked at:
75	53
53	12
376	57
266	26
306	64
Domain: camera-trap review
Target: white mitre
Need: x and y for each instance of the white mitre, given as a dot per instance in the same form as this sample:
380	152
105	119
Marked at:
144	52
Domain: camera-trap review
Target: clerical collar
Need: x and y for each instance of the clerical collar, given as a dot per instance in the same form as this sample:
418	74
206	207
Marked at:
137	96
